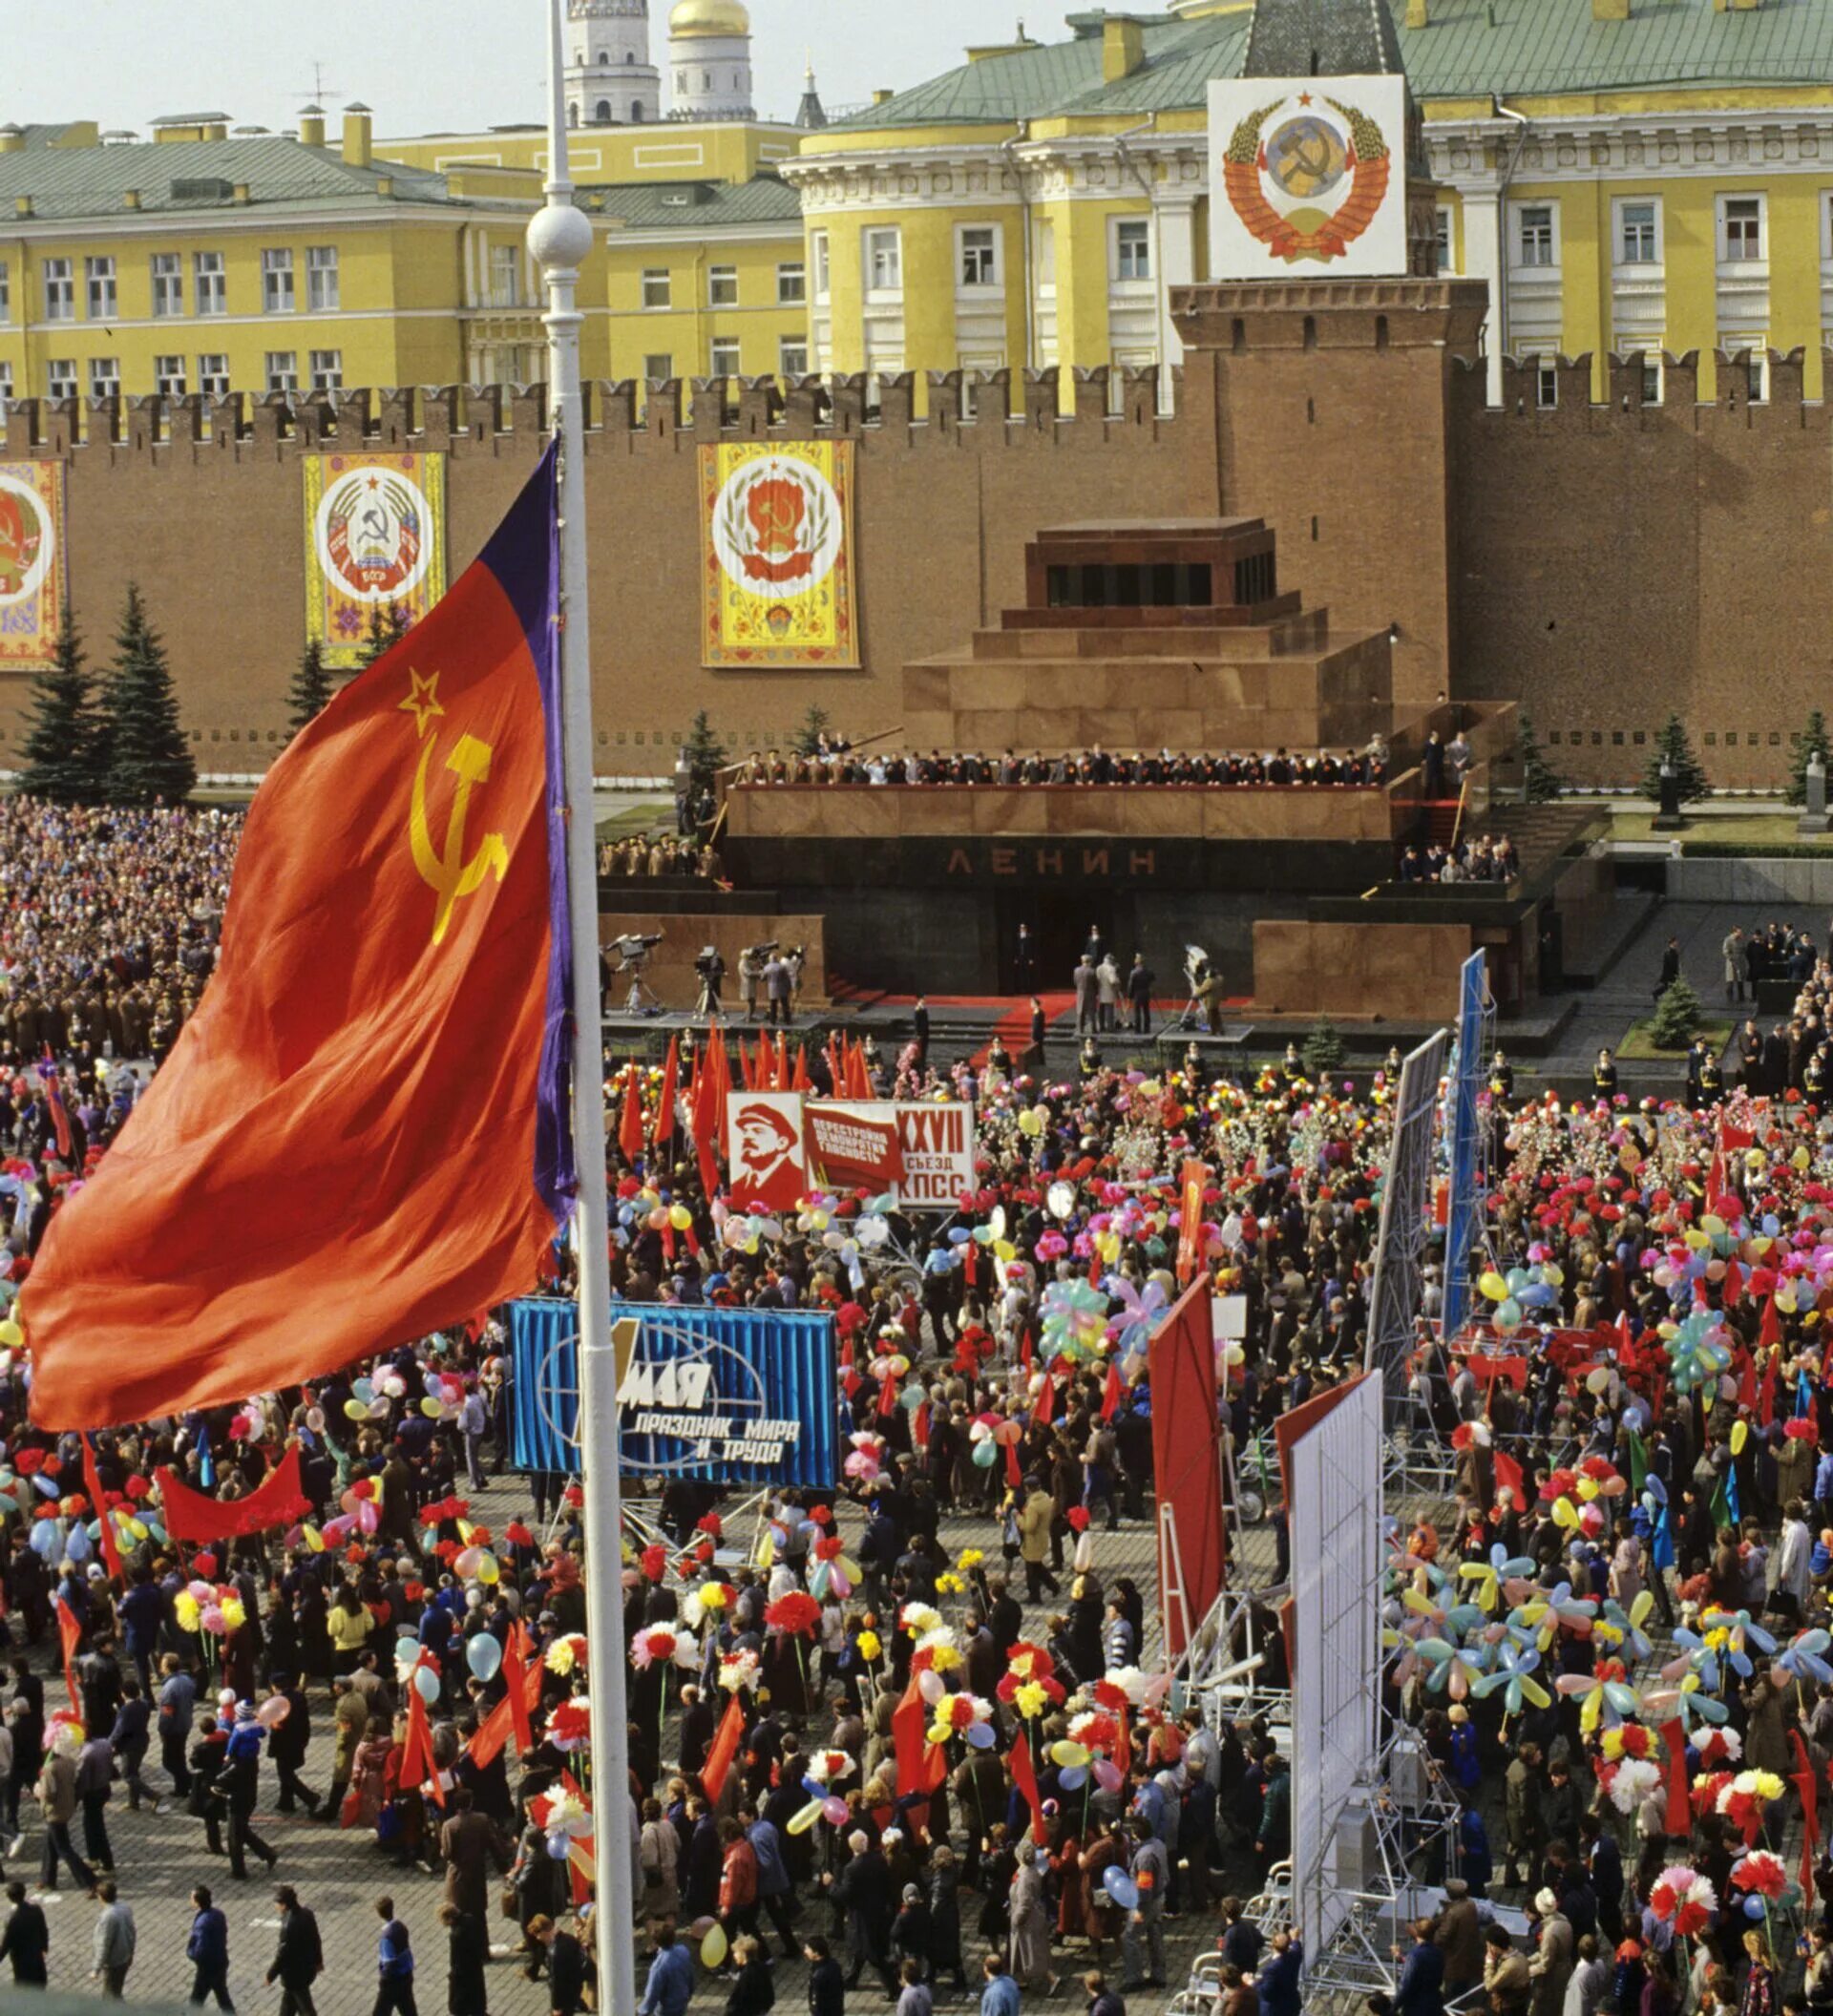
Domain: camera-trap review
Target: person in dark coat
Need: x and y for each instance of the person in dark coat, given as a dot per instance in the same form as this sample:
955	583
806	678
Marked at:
26	1940
566	1967
862	1892
298	1954
1421	1985
827	1984
467	1952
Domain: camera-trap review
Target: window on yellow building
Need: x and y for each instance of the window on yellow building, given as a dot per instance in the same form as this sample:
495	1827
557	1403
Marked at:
6	378
658	368
1638	239
1132	248
1442	233
104	377
6	291
168	377
823	276
793	356
213	374
658	290
724	357
208	284
60	291
1534	235
1047	268
884	260
506	276
283	370
277	280
60	377
792	284
321	278
1742	227
168	285
327	370
980	256
722	286
98	275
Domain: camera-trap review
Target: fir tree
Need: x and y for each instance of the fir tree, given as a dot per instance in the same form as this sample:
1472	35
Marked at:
148	759
807	737
388	626
1540	782
1676	1015
1810	741
1323	1049
61	742
311	687
705	754
1671	746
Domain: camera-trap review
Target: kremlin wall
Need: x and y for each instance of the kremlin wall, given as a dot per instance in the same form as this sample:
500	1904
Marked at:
1603	564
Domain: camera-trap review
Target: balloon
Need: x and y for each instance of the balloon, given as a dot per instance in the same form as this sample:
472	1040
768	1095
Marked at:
355	1411
1061	1197
405	1650
985	1454
804	1816
979	1735
426	1683
489	1569
1492	1286
1121	1887
484	1655
273	1712
1073	1777
465	1567
680	1217
1508	1317
1107	1774
11	1336
712	1948
1739	1436
558	1847
432	1408
701	1926
930	1685
1068	1754
833	1809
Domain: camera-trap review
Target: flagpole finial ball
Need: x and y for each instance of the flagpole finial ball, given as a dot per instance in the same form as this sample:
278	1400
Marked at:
559	235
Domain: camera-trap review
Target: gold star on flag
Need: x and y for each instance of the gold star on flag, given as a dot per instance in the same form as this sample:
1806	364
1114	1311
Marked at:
422	699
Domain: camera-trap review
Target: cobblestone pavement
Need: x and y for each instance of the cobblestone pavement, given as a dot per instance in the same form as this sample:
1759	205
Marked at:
160	1858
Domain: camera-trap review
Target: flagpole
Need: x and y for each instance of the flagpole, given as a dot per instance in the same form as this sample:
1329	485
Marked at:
559	239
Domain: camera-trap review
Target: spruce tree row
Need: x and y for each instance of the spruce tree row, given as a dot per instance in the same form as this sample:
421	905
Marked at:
113	740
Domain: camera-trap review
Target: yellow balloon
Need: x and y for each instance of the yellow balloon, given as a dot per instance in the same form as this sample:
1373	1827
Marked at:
1564	1512
489	1571
1031	1122
804	1817
1587	1488
1739	1436
1711	1224
432	1408
1493	1287
1641	1606
11	1336
314	1539
1068	1754
712	1948
680	1217
355	1411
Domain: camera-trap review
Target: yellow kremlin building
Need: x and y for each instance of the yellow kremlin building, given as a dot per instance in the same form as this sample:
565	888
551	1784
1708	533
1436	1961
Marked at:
1627	175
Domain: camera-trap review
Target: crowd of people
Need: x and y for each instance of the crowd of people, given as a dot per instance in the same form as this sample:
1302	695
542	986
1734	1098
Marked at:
919	1725
658	855
1202	771
1485	858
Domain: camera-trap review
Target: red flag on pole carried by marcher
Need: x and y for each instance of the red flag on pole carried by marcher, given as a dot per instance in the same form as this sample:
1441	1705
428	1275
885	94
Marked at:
725	1747
1025	1777
111	1546
362	1134
631	1134
69	1635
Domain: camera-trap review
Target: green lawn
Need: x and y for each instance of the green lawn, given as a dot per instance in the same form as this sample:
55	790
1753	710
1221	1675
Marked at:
1639	1044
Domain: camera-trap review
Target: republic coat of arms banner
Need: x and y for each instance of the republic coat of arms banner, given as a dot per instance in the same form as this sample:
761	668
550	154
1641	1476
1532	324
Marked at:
776	555
31	565
1308	176
376	537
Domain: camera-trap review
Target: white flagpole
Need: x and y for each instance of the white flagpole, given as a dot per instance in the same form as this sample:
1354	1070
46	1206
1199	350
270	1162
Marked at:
559	239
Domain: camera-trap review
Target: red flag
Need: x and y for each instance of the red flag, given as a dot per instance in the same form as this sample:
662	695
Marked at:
493	1732
1122	1743
909	1719
1771	1332
417	1767
705	1120
524	1685
1111	1391
1047	1401
1508	1476
631	1134
1014	1476
1674	1744
1766	1392
1747	1381
386	1019
1025	1779
747	1068
69	1635
59	1113
726	1742
799	1079
276	1500
664	1127
111	1546
1804	1781
1734	1285
722	1083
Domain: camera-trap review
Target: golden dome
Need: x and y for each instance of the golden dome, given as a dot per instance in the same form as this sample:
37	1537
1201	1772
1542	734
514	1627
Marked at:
693	18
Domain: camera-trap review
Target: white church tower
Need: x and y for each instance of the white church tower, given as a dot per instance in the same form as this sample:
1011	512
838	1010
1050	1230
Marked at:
610	80
709	61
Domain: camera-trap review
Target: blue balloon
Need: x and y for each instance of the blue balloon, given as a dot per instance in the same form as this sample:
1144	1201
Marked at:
981	1735
44	1537
484	1655
1072	1777
1121	1887
1754	1907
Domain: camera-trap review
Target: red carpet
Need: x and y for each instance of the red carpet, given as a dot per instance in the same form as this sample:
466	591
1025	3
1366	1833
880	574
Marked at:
1014	1027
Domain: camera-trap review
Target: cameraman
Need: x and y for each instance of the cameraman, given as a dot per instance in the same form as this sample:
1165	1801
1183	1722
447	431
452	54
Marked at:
750	977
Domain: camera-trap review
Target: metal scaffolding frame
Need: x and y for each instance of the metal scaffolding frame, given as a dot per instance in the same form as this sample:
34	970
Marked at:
1397	1290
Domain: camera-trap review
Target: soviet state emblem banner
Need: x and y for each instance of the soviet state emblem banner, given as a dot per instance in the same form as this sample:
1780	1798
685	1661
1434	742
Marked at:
375	540
777	553
32	563
1307	174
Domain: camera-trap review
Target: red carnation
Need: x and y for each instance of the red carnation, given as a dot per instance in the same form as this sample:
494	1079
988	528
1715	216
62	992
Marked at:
1078	1517
796	1614
654	1562
517	1535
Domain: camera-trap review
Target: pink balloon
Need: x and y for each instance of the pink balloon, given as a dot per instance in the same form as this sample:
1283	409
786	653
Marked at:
833	1810
273	1712
1106	1773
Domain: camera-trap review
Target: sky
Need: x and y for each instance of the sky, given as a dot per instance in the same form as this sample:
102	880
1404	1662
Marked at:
434	65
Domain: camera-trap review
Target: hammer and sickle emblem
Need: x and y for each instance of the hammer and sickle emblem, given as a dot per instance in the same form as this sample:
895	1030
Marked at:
450	875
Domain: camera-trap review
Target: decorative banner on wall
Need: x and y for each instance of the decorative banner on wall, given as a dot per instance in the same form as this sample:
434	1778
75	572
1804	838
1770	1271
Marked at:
768	1165
776	557
722	1395
1307	173
32	563
375	536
